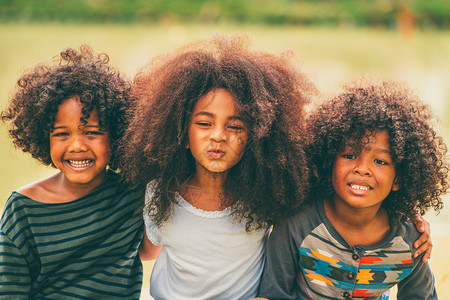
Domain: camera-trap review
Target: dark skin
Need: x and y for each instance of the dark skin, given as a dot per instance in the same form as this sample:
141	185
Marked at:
424	243
269	92
362	180
417	151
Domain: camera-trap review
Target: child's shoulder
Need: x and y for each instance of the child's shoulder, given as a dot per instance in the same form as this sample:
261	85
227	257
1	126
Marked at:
406	230
306	218
46	190
41	190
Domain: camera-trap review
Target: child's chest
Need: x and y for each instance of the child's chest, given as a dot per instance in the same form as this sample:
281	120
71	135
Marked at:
335	270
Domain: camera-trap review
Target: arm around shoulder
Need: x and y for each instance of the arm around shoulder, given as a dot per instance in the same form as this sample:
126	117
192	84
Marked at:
424	243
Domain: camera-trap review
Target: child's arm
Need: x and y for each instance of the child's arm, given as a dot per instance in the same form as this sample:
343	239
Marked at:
424	241
15	280
148	251
281	266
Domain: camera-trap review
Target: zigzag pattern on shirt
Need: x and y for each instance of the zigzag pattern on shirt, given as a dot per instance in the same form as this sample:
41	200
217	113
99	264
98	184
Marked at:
328	270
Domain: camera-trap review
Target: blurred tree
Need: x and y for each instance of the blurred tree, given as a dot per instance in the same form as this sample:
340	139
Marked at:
387	13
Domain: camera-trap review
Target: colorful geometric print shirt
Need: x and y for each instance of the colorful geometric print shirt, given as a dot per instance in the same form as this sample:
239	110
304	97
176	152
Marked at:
308	259
83	249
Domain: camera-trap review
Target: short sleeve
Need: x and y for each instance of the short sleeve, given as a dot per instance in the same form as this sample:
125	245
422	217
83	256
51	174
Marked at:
153	232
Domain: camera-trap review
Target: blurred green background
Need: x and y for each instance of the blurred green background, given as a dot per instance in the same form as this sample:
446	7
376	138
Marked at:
427	13
334	41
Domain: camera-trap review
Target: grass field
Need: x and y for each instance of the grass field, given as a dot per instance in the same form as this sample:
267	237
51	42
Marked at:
330	55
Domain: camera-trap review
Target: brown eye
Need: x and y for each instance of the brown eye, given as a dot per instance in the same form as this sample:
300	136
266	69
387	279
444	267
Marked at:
236	127
380	162
349	156
94	133
59	134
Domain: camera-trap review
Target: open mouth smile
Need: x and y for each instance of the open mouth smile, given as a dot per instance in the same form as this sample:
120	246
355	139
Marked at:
80	163
359	187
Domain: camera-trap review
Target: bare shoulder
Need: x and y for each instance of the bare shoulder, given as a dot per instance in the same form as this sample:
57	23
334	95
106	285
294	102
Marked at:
40	190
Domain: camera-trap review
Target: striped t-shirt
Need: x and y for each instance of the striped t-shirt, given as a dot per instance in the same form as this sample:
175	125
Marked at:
83	249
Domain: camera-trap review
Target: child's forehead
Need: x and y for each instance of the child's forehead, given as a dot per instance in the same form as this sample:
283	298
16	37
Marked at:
367	139
77	104
73	110
218	99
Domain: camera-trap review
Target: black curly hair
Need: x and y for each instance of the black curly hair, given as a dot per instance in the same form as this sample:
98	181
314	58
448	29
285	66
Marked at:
38	93
271	179
417	151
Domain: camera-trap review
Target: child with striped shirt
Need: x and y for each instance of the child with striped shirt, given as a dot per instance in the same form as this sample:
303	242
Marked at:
74	234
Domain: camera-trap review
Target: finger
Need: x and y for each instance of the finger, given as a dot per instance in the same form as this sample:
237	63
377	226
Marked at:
427	255
422	241
425	247
419	222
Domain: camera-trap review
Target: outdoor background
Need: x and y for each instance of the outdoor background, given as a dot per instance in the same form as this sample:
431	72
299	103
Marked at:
406	40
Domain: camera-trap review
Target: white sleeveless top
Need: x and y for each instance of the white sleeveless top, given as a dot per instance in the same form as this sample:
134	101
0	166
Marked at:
205	255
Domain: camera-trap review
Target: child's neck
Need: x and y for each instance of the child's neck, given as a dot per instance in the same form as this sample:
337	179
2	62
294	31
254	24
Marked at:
57	189
204	192
358	226
75	191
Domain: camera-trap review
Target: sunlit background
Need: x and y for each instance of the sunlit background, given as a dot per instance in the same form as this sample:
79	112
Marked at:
404	40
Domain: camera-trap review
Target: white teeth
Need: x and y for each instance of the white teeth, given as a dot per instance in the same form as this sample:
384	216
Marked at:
80	163
360	187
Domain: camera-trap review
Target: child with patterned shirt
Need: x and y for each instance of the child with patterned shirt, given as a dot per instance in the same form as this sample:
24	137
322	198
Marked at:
74	234
377	161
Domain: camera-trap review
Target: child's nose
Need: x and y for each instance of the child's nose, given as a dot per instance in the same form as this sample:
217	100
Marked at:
218	135
362	167
78	144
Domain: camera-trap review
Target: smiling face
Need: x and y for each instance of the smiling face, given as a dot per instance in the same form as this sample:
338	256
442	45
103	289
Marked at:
80	151
217	133
365	179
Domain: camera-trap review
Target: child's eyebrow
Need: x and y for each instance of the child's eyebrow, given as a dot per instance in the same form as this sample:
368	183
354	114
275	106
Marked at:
208	114
84	126
384	150
236	118
204	113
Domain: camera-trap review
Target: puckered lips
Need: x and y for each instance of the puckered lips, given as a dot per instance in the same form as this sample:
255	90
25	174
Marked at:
216	153
79	164
359	187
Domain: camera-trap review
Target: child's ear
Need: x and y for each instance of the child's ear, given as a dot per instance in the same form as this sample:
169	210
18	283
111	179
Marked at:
187	145
396	185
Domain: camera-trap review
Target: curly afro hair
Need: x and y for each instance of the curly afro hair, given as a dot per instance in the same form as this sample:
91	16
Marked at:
417	151
39	92
271	179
